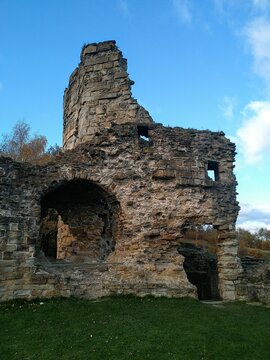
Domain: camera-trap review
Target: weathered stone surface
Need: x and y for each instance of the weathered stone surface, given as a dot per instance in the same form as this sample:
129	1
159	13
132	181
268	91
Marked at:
107	216
254	283
99	89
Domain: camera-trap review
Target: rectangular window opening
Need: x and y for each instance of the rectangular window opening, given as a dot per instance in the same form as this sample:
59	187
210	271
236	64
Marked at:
143	132
213	170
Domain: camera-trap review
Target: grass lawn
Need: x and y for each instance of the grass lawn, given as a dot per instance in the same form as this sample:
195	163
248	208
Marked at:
133	328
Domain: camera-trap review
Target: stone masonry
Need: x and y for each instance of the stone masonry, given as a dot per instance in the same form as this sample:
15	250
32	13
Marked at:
254	282
108	214
99	95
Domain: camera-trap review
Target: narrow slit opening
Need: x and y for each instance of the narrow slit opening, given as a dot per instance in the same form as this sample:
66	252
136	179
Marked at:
143	133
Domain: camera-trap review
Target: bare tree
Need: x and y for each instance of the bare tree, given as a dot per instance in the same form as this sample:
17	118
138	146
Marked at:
20	146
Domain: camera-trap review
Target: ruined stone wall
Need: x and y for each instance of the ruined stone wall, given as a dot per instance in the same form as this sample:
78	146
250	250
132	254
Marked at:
152	179
160	185
254	283
98	95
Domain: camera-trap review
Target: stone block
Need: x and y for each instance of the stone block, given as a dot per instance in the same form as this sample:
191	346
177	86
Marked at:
120	74
106	45
98	67
22	294
229	295
108	65
100	110
132	113
14	238
89	49
14	227
161	174
8	255
11	247
7	263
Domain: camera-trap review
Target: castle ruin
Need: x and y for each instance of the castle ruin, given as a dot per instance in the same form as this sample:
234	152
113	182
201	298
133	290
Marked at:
107	215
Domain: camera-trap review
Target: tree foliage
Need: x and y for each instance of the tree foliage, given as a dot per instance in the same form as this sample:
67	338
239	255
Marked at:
21	146
255	244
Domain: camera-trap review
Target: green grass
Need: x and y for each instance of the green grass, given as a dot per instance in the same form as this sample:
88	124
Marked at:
133	328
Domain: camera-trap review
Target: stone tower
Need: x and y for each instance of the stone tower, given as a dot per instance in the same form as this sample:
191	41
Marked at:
99	95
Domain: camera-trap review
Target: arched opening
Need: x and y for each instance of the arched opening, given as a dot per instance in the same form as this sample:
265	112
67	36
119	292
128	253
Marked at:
78	222
199	247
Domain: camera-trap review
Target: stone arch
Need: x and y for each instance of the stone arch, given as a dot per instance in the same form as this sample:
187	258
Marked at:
79	221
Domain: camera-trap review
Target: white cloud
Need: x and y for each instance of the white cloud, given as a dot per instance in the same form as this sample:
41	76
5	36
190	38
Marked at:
254	134
183	11
253	226
257	33
254	217
228	106
123	6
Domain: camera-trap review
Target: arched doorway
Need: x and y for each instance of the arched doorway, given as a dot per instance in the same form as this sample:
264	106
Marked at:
78	222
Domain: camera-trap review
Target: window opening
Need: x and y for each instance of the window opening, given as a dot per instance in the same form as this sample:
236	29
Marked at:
213	170
143	132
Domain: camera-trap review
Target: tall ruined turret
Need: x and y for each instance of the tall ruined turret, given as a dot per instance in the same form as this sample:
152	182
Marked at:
99	95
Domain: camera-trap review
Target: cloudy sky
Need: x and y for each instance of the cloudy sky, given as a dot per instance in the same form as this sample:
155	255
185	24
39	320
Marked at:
201	64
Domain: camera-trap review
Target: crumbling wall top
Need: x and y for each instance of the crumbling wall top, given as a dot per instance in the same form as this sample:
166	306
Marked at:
99	95
94	48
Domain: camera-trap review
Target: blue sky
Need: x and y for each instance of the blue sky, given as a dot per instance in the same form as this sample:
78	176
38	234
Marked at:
201	64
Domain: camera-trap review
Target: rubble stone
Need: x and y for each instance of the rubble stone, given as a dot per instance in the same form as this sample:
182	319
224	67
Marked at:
254	283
